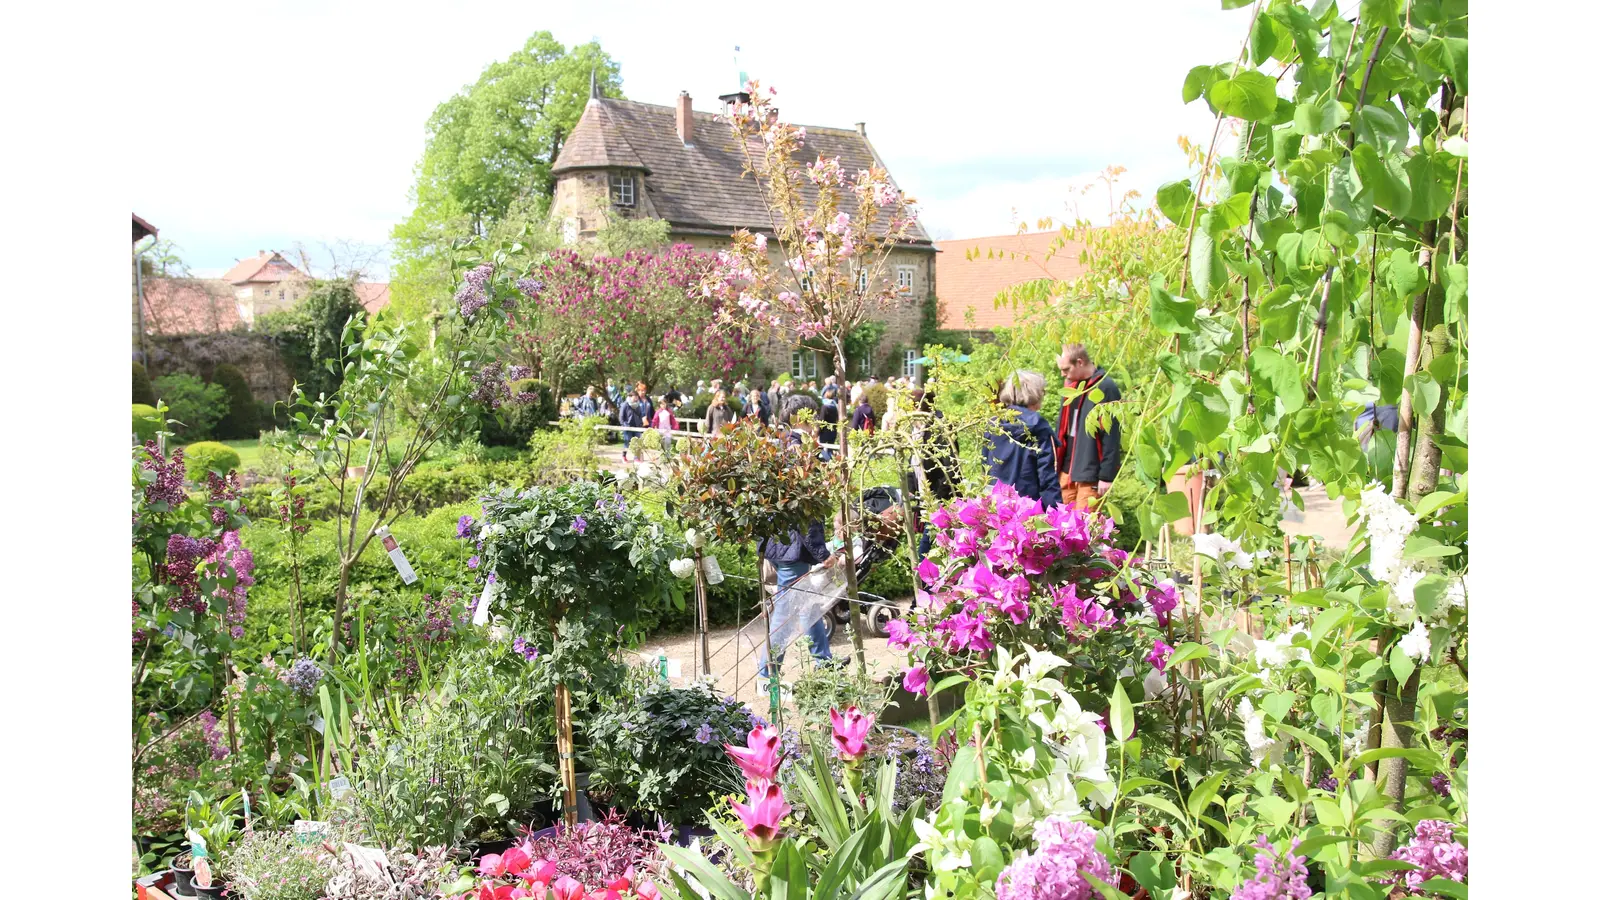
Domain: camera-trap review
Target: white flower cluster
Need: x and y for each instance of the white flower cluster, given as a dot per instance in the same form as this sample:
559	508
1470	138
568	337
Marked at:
683	568
1388	525
1255	734
1280	651
1228	552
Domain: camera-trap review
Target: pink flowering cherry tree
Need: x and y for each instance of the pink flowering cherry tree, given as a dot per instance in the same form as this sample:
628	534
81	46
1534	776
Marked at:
821	272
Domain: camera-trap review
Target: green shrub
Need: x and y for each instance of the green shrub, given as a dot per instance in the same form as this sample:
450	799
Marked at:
143	393
518	420
145	422
194	404
242	419
208	456
567	449
878	397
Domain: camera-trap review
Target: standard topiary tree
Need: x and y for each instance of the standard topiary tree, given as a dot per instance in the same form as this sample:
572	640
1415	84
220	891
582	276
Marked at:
208	456
242	420
142	391
145	422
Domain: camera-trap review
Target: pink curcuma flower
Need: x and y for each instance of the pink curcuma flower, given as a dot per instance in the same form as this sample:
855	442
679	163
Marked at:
760	758
763	815
916	680
850	733
1158	656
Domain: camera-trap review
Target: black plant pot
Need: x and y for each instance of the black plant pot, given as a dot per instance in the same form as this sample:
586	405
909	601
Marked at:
182	880
215	891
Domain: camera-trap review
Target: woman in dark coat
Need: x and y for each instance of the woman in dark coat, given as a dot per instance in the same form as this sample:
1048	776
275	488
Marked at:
1022	452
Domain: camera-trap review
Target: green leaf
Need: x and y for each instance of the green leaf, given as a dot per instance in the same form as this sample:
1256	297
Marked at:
1265	38
1310	740
1420	546
788	878
1448	55
1153	872
963	773
1249	95
1121	715
1204	793
1189	650
1280	312
1196	82
707	874
1176	201
1171	314
987	860
1430	194
1231	213
1205	265
1405	276
1380	12
1383	126
1319	116
1107	891
1275	810
1445	886
887	882
1280	376
1172	507
1158	802
1424	758
1309	846
1400	664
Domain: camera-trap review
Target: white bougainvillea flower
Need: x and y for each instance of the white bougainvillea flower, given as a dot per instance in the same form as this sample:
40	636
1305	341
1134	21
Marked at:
1280	651
1255	734
683	568
1226	551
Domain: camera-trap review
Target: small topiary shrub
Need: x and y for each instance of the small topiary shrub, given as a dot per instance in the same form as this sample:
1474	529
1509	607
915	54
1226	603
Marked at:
878	397
143	393
242	419
208	456
146	422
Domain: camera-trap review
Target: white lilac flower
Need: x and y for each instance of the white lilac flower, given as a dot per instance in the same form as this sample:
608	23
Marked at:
1456	593
1255	734
694	538
1416	643
1403	596
1388	525
1281	650
683	568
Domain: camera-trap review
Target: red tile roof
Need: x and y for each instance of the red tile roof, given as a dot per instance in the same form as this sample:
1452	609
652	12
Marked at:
970	273
374	295
266	266
189	306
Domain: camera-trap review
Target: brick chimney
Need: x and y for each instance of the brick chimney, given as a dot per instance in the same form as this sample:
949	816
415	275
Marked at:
861	128
685	119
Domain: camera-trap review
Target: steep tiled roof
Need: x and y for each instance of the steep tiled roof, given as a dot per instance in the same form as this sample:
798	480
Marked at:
997	263
141	228
189	306
702	186
374	295
266	266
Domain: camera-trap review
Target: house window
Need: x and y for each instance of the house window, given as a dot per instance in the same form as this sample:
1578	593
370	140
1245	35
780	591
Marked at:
803	364
280	295
866	366
904	278
622	190
908	367
863	278
805	281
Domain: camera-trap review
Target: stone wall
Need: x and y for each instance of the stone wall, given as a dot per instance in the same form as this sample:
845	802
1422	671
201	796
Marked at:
254	354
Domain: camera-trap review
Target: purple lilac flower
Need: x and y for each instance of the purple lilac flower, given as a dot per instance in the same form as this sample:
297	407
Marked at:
168	486
213	735
1435	852
1440	784
518	373
489	386
232	553
579	524
464	527
184	554
1055	871
474	292
530	287
303	677
1328	782
703	733
1277	877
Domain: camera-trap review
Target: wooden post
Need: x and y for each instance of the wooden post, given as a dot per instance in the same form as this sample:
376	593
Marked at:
569	774
1194	620
703	618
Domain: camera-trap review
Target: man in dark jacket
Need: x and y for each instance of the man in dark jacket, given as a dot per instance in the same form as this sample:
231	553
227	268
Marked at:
1088	459
635	415
795	555
1021	452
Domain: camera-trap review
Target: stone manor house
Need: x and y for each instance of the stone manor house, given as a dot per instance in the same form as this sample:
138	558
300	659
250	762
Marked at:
642	160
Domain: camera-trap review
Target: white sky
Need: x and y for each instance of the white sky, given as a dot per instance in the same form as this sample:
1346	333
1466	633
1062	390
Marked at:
272	124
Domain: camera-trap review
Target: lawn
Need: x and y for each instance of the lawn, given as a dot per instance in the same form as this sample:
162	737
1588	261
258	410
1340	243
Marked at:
249	453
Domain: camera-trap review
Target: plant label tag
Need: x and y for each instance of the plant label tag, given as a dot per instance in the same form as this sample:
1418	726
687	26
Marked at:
713	571
398	557
674	668
481	614
316	723
307	832
339	787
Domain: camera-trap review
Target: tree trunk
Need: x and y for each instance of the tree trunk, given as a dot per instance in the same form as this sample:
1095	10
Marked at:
852	591
1398	713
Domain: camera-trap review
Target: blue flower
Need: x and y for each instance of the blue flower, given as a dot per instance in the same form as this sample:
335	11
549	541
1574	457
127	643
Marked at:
704	734
579	524
472	563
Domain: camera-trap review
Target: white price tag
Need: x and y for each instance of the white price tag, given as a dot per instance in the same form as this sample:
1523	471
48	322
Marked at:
712	570
481	614
397	556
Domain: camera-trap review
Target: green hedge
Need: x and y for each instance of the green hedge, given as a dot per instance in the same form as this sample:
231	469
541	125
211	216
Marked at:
145	422
208	456
243	417
143	392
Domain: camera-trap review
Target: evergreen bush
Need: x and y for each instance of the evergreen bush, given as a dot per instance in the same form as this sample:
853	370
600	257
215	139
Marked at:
142	391
208	456
145	422
242	419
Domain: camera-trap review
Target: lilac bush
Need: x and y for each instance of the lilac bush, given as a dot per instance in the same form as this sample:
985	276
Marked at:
1055	869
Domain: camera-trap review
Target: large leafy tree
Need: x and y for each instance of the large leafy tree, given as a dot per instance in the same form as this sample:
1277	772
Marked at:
485	171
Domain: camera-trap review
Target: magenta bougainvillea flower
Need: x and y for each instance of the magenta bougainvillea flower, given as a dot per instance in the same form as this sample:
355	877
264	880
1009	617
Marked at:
1159	653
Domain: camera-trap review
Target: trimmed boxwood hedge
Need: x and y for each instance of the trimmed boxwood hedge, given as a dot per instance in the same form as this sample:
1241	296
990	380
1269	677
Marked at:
208	456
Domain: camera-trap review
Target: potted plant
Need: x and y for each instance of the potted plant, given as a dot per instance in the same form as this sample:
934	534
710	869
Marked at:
183	875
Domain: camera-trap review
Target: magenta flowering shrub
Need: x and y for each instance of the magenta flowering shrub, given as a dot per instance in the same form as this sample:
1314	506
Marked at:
1435	852
1006	571
1056	869
1277	876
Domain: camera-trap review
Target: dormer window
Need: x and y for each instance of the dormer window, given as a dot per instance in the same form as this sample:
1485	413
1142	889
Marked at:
622	190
